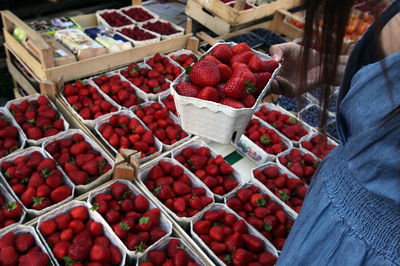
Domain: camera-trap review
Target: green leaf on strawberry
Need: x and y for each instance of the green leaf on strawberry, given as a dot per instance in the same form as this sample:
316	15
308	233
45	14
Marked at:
141	247
265	140
37	200
25	181
267	227
157	190
10	206
124	226
69	261
144	220
95	206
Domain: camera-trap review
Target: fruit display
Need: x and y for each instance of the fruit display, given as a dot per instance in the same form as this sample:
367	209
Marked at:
172	252
22	247
163	65
211	169
231	76
270	38
133	219
37	117
266	138
115	19
300	162
124	131
331	130
251	39
230	239
262	212
169	102
283	184
11	211
137	34
81	159
318	144
183	58
163	28
313	114
35	179
246	6
138	14
158	120
176	188
293	104
10	137
288	125
86	101
75	235
119	90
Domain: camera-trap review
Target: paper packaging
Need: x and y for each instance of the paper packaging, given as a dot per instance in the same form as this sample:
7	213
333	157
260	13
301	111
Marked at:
92	215
8	198
215	121
195	182
106	118
271	107
181	52
310	136
198	144
136	43
101	21
176	121
256	153
282	170
108	38
90	123
80	189
165	224
163	246
155	17
22	229
216	207
26	152
79	43
31	98
166	37
62	55
22	137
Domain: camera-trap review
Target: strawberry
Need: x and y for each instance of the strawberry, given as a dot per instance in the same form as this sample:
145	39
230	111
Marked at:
208	94
99	253
8	256
80	213
78	251
271	65
23	242
253	243
240	48
12	210
156	233
249	101
115	255
217	233
157	257
205	73
242	257
232	103
202	227
34	259
60	193
223	53
141	203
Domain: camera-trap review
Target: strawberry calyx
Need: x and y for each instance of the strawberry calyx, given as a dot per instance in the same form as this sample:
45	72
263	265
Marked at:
250	87
101	166
267	227
69	261
37	201
31	120
95	206
261	202
124	226
315	164
265	140
302	162
228	258
13	149
47	127
157	190
284	195
156	89
215	224
288	164
11	206
126	195
251	214
144	220
292	120
89	180
5	118
25	181
46	172
273	124
187	70
141	247
181	247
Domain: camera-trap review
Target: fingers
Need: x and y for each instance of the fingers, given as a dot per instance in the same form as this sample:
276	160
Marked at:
280	51
276	52
282	86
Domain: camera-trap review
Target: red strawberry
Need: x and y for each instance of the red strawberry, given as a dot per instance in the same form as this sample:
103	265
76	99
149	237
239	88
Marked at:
253	243
187	89
12	210
60	249
118	190
242	257
267	258
209	94
202	227
217	233
34	259
47	227
232	103
115	255
23	242
262	80
99	253
156	233
8	256
271	65
80	213
7	240
222	52
240	48
205	73
157	257
60	193
78	251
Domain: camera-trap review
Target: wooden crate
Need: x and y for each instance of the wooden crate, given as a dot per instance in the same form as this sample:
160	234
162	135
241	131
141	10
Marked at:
222	19
42	65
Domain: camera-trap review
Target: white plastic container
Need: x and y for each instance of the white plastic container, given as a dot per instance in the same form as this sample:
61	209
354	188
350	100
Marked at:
80	189
155	17
254	152
215	121
161	98
166	37
102	21
136	43
165	224
33	212
195	182
90	123
106	118
163	246
271	107
92	215
197	144
309	137
8	198
216	207
181	52
21	134
31	98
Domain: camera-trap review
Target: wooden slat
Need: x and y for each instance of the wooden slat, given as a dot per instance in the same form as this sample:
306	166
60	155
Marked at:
20	78
86	21
281	27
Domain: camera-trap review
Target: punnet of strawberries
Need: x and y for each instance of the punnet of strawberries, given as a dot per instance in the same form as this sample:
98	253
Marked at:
138	14
264	137
287	125
231	76
169	102
170	183
164	66
264	214
214	172
318	145
35	180
120	91
289	189
300	163
173	254
137	34
80	161
130	216
124	132
115	19
9	136
163	28
86	100
37	118
157	119
20	248
185	59
10	211
76	239
230	239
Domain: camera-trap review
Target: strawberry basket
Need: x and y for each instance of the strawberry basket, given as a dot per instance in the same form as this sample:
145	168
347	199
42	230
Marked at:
20	138
194	183
155	37
168	101
164	223
150	16
319	152
66	209
121	21
102	178
179	30
212	120
9	203
181	52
